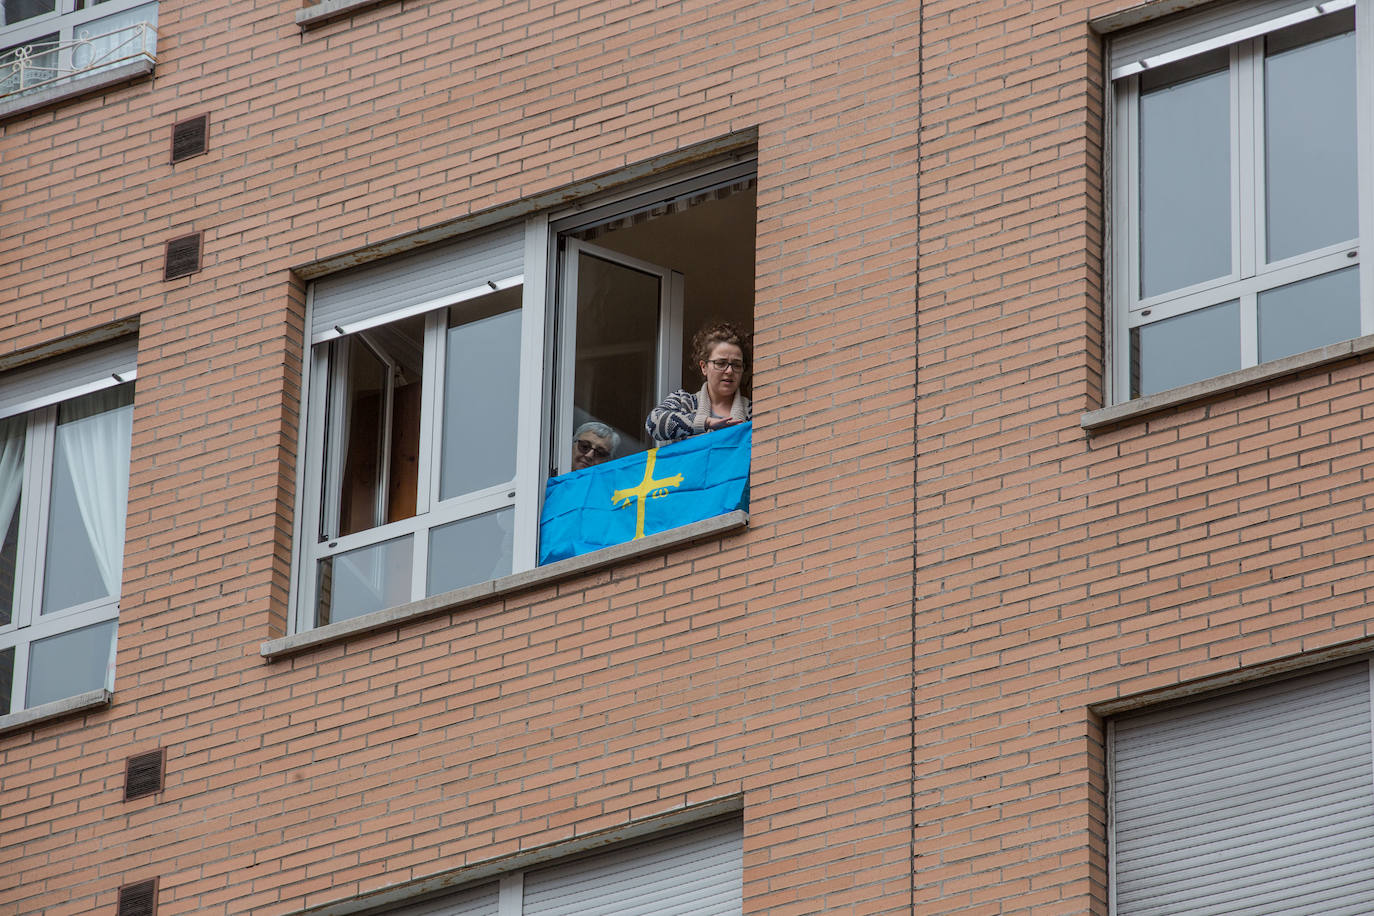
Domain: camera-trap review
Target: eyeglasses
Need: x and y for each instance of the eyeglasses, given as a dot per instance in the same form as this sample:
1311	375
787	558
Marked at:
723	364
586	448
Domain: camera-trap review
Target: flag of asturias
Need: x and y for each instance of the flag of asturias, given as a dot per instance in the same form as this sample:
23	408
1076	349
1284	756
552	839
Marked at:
638	495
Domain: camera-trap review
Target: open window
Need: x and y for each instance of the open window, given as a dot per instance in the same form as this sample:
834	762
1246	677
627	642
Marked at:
444	387
638	278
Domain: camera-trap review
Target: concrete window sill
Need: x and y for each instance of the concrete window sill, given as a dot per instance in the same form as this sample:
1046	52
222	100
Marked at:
327	10
23	102
485	591
82	702
1231	381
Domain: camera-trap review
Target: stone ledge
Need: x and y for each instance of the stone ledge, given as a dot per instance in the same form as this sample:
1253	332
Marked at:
91	699
327	10
1231	381
474	594
29	101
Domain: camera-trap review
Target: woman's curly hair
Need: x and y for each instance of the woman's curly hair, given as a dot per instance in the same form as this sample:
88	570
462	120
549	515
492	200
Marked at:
705	340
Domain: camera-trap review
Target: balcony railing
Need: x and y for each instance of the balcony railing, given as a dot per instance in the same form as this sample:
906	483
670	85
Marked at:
45	63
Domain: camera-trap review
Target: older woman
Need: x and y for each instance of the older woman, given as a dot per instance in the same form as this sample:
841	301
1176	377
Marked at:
722	353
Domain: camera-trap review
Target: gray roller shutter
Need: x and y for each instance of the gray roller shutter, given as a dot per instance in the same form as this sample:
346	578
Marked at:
1213	26
481	900
64	377
695	873
414	283
1255	802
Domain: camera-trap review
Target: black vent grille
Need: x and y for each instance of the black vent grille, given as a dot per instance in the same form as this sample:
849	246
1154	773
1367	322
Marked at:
190	137
183	257
138	899
143	774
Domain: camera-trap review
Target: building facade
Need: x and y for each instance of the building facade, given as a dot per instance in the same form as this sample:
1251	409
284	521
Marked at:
1051	591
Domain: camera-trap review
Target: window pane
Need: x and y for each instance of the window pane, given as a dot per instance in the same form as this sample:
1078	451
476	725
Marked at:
361	581
617	348
1186	348
1309	136
481	393
70	663
470	551
6	679
1185	184
11	492
90	486
28	64
377	435
19	10
1309	313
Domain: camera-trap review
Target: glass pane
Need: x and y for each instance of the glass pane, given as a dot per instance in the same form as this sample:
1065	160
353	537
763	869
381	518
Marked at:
19	10
481	393
473	550
89	495
116	38
6	679
377	437
1310	313
70	663
1186	348
617	349
11	493
1185	186
1309	137
361	581
28	64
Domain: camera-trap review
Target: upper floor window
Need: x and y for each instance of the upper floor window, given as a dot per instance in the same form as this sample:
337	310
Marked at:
445	387
64	479
52	43
1237	186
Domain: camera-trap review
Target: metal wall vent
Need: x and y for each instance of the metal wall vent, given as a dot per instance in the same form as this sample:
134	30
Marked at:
139	899
143	774
190	137
183	257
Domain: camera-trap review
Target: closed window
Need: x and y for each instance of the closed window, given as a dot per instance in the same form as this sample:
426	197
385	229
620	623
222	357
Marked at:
1256	801
1237	172
52	42
64	480
445	387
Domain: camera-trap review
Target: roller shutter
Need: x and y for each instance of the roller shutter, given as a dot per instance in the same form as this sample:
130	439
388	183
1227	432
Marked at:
694	873
415	283
64	377
1212	26
1260	801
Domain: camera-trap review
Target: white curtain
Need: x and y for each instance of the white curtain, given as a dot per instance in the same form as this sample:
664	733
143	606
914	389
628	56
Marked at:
94	438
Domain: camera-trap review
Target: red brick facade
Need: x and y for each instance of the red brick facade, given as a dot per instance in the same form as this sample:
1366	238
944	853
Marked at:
892	668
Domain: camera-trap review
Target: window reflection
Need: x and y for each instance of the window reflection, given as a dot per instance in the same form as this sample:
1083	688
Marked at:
1186	348
1310	145
1185	174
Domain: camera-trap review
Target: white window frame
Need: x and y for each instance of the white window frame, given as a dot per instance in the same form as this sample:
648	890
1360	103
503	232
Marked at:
545	348
76	375
71	25
1249	275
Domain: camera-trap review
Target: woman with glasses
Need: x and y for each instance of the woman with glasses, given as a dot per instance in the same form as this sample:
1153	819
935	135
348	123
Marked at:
722	353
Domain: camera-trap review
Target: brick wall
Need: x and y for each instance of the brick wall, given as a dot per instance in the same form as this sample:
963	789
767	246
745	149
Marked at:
774	665
1059	569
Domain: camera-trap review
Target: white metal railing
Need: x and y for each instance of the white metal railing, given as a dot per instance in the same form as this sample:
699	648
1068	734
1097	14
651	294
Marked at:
44	63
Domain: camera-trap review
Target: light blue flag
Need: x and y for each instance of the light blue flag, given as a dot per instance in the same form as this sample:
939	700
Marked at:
639	495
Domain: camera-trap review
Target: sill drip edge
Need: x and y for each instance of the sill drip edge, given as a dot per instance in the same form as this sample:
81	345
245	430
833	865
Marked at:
482	591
